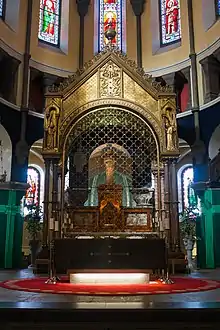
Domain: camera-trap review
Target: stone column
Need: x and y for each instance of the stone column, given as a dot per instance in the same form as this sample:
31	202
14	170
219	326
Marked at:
211	69
138	9
171	202
47	163
82	7
22	148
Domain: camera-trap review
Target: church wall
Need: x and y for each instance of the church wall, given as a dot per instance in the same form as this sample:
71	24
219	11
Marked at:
205	35
15	38
164	56
65	60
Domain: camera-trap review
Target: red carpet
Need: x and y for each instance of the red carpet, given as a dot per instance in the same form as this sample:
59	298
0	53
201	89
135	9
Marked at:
181	285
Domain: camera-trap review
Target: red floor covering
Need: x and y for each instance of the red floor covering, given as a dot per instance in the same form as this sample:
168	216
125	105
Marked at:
181	285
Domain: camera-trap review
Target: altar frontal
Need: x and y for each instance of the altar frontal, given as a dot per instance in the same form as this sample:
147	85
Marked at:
110	147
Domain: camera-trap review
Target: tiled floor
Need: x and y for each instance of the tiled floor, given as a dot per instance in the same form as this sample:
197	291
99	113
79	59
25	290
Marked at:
105	302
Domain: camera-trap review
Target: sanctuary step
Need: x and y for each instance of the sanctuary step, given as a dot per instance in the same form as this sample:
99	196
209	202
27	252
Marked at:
109	278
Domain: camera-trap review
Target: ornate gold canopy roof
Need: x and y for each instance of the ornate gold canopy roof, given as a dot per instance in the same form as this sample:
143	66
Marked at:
110	79
120	59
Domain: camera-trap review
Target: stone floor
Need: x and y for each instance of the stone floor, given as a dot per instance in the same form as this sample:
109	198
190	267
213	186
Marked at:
108	302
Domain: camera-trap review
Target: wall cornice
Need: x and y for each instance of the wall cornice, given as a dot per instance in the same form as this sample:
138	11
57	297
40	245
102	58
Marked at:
169	69
49	69
210	104
208	50
9	104
10	51
36	114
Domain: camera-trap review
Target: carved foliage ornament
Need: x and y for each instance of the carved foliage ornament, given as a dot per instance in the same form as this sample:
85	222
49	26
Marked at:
110	80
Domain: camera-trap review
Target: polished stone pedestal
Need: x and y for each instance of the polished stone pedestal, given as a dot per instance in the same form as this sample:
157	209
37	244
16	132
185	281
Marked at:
208	229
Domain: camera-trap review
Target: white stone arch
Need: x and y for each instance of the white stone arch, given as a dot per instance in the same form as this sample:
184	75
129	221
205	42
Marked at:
214	143
5	162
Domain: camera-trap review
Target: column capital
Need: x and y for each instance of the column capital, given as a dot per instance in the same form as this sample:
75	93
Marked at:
82	7
138	6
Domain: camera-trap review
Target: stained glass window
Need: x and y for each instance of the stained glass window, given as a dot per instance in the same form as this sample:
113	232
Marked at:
32	196
217	2
189	198
170	21
49	21
2	8
110	23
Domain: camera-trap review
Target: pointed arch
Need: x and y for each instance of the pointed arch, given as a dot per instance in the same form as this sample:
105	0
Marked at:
49	21
170	21
110	14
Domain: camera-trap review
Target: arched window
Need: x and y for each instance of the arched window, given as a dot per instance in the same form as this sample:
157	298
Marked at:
49	21
188	196
170	24
2	8
217	5
32	197
110	20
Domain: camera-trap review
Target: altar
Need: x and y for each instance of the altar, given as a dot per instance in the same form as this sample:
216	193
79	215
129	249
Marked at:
110	147
137	253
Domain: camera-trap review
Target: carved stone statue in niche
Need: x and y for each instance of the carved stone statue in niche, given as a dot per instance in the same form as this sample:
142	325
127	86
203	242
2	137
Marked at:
51	128
170	126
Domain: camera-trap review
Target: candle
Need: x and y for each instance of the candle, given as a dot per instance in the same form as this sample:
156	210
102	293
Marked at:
56	225
51	224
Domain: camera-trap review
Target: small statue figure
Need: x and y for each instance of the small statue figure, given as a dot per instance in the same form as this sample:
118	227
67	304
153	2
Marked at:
170	126
51	127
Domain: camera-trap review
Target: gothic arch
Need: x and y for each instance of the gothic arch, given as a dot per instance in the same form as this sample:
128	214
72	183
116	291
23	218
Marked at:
142	113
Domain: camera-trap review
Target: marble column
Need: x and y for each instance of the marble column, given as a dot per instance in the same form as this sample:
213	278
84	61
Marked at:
211	69
138	9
